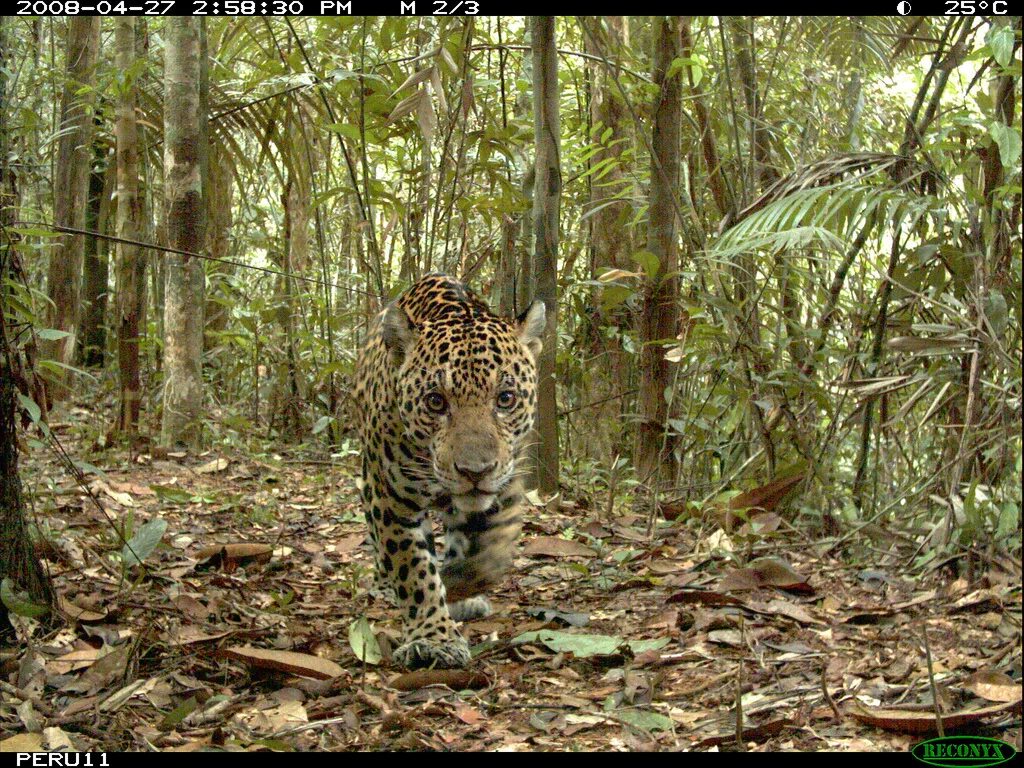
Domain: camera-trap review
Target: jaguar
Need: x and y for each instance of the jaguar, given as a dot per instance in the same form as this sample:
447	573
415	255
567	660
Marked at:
446	394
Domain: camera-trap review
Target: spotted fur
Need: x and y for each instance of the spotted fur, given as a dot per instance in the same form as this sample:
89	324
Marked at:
446	393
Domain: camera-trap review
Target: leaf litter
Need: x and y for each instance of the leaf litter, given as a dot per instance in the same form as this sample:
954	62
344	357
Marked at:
250	628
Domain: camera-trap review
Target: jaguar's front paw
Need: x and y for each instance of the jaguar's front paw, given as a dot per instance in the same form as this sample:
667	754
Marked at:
442	654
471	608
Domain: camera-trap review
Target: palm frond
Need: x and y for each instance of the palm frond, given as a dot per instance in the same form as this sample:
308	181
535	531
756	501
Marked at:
826	216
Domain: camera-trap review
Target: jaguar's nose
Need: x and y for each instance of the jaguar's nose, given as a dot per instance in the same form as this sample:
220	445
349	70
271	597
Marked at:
475	471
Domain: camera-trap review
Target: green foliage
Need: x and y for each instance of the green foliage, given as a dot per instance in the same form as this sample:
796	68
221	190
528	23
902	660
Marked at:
410	142
584	646
19	603
363	642
141	545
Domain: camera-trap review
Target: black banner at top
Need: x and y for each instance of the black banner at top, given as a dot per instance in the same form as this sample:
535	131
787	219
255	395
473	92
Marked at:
472	8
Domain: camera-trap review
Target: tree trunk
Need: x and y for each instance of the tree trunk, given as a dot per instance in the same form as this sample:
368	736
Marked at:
96	267
716	176
763	173
296	256
546	199
17	558
69	195
610	241
131	263
515	274
17	555
221	199
654	457
184	161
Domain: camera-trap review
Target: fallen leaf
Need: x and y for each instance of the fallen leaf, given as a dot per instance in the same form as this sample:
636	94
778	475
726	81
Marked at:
703	597
77	613
456	679
533	496
757	733
993	686
568	618
72	661
23	742
102	673
231	556
766	572
644	720
730	637
785	608
583	646
187	634
363	641
905	721
766	497
58	740
284	661
217	465
553	546
547	721
759	524
122	498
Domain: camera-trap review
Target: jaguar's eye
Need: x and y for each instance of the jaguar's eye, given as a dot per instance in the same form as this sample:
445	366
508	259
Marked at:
436	402
506	398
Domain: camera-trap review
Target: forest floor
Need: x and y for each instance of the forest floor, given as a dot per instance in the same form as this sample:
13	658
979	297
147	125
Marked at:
606	635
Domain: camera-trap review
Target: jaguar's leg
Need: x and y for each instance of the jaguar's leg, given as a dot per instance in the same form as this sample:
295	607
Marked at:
457	544
479	547
405	555
381	589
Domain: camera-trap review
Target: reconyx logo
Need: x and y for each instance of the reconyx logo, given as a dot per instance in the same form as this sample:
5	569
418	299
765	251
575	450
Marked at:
957	751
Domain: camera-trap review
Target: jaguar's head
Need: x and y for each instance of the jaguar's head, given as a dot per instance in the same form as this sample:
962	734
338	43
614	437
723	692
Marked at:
467	397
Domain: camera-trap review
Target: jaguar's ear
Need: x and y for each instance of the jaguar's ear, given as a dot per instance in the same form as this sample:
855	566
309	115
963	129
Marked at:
531	325
398	330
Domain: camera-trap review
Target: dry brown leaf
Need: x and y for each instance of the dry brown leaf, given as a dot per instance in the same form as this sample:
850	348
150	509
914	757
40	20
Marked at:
124	499
407	105
414	79
740	580
190	633
766	572
72	661
993	686
102	673
456	679
426	117
200	745
905	721
757	733
468	715
285	661
23	742
760	523
785	608
703	597
978	600
553	546
347	544
231	556
77	613
731	637
764	498
468	100
617	274
217	465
